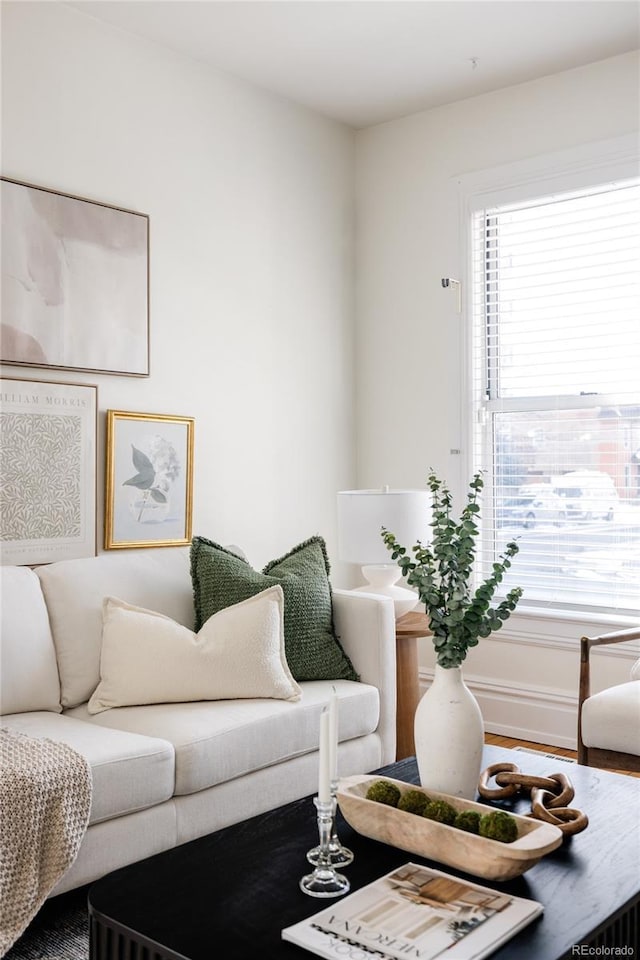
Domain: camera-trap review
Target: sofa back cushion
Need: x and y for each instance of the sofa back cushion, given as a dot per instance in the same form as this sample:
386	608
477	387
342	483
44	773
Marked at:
28	671
157	579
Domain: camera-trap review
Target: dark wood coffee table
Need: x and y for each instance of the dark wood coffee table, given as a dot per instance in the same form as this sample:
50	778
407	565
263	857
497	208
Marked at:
229	894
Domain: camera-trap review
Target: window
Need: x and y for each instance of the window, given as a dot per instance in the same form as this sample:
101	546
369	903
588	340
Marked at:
556	392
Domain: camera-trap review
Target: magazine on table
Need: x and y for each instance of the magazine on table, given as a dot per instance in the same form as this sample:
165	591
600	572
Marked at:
418	913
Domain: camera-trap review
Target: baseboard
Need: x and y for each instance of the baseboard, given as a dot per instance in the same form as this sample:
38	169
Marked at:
538	714
541	753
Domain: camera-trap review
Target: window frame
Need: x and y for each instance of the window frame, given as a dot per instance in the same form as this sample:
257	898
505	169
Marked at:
601	162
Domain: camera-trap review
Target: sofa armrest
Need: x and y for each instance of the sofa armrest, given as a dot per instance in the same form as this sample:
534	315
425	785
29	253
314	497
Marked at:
366	626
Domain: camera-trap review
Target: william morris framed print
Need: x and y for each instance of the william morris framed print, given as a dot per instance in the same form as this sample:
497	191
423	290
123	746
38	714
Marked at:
75	282
47	471
149	480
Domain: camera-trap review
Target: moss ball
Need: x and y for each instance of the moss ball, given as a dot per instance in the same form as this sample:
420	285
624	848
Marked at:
468	820
413	801
441	811
384	792
499	825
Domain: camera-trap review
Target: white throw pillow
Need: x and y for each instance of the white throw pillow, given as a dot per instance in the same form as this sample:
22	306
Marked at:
149	658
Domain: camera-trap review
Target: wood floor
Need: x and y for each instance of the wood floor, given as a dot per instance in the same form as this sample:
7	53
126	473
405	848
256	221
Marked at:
499	741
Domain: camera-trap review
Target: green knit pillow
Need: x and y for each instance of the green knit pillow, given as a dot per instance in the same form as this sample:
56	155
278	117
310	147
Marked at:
221	578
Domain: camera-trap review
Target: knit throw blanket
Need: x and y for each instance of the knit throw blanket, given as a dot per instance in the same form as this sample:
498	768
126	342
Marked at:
45	799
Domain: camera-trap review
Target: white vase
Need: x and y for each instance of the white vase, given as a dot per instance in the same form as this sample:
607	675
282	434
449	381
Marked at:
449	736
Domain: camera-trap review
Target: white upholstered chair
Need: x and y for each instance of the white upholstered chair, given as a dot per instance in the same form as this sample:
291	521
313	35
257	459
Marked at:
609	721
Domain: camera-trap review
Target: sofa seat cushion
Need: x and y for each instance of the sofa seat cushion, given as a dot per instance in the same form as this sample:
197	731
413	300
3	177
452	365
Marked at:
219	741
129	772
611	719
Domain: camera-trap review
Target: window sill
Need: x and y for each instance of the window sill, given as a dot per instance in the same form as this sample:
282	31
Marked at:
562	629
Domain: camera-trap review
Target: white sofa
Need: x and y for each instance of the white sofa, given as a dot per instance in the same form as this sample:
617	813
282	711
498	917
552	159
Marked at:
164	774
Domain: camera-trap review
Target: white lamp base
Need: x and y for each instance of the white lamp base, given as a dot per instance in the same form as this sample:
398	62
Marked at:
381	579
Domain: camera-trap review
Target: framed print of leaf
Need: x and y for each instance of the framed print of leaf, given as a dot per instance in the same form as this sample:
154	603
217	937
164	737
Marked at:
149	480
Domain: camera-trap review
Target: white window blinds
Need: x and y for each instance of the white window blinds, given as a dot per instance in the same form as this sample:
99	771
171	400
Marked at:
556	376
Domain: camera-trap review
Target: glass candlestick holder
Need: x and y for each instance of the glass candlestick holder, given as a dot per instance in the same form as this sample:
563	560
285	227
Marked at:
339	856
324	881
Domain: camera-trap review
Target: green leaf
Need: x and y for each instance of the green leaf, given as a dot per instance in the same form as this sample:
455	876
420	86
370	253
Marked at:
158	495
141	461
146	475
140	481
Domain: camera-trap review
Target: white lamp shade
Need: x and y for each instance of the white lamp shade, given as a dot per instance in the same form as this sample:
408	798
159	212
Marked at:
362	514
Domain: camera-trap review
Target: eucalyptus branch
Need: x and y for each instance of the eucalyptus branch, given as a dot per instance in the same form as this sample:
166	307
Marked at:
442	573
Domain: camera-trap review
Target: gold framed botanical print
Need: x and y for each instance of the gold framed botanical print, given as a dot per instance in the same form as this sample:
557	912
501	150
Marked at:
149	480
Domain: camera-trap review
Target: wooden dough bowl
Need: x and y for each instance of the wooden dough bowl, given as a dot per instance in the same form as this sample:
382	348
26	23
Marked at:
468	852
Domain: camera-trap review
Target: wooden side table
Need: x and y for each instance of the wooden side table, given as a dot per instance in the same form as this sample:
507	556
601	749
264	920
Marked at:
408	629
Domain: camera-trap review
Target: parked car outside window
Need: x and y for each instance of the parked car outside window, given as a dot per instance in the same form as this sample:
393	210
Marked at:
587	494
534	504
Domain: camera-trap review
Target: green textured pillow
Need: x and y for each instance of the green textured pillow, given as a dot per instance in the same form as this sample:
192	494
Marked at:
221	578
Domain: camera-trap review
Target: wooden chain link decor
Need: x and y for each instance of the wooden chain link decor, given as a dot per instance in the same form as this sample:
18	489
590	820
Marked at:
549	795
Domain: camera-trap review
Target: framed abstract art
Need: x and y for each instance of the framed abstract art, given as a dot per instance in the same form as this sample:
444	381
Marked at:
75	282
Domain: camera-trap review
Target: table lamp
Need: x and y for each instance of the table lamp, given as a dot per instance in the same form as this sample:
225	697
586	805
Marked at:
361	516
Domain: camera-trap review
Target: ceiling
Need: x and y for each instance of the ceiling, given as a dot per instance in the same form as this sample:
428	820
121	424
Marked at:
366	61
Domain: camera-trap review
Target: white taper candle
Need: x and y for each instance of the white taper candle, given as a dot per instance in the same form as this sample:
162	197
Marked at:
333	735
324	778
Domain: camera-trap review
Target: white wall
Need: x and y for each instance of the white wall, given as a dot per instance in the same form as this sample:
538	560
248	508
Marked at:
250	201
409	335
